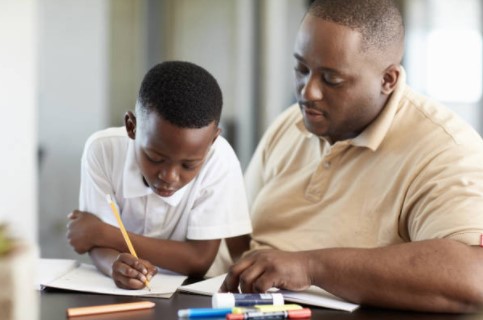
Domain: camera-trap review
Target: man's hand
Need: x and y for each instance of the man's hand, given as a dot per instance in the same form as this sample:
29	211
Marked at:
264	269
82	230
128	272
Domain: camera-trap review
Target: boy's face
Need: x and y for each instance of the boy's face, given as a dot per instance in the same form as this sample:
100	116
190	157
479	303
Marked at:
169	156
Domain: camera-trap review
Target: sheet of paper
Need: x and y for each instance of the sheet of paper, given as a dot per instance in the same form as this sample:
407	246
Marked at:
206	287
87	278
316	296
50	269
313	296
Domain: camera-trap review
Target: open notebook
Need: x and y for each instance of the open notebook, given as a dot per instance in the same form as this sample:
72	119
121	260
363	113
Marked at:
313	296
71	275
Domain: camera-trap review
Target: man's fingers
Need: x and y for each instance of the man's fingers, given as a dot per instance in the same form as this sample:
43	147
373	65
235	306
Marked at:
232	280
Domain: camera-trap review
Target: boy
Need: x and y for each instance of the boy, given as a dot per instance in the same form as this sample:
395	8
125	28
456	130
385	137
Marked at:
178	184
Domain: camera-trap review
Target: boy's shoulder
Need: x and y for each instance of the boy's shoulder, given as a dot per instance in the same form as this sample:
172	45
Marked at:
222	154
107	134
114	137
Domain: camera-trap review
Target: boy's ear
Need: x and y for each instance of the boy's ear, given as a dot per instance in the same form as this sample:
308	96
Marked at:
218	131
391	76
130	124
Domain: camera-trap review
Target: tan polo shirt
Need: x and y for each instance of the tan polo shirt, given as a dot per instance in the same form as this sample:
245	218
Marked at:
415	173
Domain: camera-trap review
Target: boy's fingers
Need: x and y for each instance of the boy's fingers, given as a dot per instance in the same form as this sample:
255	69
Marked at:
133	262
127	271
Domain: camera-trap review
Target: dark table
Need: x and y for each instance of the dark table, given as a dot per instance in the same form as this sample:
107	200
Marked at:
53	305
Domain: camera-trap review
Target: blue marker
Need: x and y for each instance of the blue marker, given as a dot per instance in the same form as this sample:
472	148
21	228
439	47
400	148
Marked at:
203	312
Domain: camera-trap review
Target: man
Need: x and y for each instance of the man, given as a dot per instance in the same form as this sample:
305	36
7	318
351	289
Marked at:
365	188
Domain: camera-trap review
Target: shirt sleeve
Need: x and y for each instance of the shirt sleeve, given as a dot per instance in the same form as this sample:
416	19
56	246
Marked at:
220	209
445	200
95	183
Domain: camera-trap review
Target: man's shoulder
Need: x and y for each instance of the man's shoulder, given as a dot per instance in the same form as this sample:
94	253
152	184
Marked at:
433	120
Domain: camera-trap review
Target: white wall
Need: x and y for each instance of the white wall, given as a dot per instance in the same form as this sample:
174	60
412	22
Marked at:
18	98
73	104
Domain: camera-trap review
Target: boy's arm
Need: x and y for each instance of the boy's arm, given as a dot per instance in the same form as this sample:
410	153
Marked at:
190	257
238	245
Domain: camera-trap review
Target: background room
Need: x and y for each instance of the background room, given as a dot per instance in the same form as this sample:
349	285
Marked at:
70	68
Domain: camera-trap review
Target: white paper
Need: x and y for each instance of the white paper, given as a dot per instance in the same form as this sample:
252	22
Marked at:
206	287
86	278
50	269
313	296
316	296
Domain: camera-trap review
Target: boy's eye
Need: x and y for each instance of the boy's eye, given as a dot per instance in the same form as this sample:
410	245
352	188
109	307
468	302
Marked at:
189	166
154	158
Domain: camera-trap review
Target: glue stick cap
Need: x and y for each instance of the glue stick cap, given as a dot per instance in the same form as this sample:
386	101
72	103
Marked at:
230	300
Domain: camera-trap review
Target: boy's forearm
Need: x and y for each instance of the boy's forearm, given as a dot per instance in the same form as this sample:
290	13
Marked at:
189	257
103	258
192	258
238	245
111	237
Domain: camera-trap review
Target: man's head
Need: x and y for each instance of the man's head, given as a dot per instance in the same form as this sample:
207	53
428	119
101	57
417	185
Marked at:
348	55
177	115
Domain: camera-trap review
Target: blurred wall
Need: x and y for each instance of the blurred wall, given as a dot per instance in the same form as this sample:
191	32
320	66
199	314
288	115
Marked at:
18	102
73	83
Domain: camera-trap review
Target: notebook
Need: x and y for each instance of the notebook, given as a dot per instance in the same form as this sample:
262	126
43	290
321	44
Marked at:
71	275
313	296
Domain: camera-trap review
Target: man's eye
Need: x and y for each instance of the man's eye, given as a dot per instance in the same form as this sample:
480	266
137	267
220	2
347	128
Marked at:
332	80
301	70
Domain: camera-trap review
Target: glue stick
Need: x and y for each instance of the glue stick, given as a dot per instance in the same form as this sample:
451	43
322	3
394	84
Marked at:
230	300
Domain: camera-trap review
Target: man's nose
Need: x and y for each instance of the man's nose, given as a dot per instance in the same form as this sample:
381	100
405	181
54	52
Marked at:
312	89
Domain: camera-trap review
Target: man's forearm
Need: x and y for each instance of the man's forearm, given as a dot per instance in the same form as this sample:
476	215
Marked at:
433	275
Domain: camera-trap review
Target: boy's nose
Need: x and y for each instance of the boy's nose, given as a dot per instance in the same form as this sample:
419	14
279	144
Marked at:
169	175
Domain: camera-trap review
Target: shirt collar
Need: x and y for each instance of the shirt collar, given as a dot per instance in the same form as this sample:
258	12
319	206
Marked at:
133	184
373	135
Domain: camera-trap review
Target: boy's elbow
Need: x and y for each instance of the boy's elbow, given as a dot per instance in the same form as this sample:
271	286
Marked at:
199	268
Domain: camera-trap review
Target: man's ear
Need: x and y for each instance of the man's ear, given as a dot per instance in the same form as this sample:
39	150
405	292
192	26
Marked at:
390	78
130	124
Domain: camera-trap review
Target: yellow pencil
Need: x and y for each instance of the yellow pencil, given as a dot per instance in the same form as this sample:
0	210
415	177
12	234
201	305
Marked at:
124	232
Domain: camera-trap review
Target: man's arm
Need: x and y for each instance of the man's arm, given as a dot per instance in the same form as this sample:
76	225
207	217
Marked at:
434	275
190	257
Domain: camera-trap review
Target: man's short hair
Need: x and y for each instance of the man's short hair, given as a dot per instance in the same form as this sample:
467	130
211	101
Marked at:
378	21
182	93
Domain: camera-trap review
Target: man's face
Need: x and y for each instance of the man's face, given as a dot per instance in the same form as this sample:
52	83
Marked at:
169	156
338	86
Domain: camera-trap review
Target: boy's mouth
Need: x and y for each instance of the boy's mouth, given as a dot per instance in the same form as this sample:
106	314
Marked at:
164	192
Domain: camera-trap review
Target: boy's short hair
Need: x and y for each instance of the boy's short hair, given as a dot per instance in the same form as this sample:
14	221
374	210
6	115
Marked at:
182	93
379	21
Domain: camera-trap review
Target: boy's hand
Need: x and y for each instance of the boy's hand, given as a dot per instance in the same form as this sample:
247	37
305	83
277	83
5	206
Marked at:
82	230
128	272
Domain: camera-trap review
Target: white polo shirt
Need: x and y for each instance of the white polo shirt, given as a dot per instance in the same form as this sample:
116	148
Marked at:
211	206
